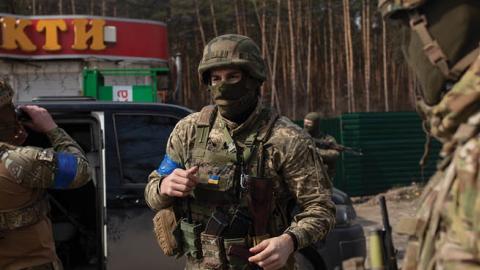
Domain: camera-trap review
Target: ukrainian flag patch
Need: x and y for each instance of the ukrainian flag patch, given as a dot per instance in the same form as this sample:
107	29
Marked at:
213	179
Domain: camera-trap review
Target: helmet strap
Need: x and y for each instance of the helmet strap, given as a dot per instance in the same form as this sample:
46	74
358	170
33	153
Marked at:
433	51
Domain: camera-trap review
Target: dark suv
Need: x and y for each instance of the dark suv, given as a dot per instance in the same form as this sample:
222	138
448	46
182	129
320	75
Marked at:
106	224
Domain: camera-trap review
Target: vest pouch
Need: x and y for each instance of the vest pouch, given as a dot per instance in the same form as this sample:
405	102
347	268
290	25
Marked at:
191	238
216	183
237	260
213	252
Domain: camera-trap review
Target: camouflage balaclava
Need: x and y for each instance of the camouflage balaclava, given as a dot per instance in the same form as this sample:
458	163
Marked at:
440	40
11	130
311	124
234	100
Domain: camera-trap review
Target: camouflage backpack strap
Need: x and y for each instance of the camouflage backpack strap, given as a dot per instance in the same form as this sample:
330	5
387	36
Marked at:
203	126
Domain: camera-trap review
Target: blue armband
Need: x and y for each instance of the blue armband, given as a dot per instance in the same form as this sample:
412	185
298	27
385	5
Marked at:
167	166
66	170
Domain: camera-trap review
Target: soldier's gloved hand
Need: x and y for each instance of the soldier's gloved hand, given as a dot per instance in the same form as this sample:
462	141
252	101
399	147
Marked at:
41	119
272	253
179	183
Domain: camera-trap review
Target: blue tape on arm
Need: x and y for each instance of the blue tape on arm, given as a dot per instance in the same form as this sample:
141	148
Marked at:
66	170
167	166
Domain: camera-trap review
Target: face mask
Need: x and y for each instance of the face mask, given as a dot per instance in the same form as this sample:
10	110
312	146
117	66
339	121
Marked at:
235	101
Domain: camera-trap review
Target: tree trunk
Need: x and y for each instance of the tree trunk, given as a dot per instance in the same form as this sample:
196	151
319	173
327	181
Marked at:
244	17
293	75
309	57
72	4
346	23
214	20
200	26
104	7
368	65
92	5
385	68
60	7
237	17
274	98
332	57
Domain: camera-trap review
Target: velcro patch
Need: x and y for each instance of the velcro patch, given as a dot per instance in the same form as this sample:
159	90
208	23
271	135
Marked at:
213	179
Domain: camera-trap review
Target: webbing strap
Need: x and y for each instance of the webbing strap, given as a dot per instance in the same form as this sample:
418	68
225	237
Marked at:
249	147
202	130
434	52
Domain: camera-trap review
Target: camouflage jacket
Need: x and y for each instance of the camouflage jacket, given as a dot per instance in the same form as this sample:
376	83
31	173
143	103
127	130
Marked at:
329	156
26	237
444	233
290	159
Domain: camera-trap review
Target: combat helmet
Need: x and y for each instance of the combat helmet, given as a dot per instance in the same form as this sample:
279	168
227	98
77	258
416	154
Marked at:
232	50
11	130
410	9
439	40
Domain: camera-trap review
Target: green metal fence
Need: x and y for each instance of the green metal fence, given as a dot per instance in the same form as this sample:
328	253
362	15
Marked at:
392	146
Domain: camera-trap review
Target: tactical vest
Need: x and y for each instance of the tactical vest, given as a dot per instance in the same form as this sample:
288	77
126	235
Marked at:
26	215
220	204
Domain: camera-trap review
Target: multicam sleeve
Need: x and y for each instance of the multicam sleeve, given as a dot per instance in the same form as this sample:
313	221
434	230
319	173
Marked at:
309	183
72	168
63	167
329	155
173	159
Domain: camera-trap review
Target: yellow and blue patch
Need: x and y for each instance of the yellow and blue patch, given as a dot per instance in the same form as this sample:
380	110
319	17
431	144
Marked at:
213	179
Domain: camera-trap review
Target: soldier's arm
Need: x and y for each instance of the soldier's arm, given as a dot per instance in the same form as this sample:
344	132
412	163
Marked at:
173	159
309	183
62	167
329	155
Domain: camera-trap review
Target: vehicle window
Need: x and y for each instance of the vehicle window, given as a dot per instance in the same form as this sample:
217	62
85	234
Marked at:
141	141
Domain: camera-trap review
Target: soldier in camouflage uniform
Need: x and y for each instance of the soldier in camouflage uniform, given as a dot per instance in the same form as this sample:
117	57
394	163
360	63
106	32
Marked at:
26	239
214	154
311	123
440	42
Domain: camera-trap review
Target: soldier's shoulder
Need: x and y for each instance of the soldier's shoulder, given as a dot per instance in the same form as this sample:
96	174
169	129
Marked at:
285	130
188	121
29	164
24	154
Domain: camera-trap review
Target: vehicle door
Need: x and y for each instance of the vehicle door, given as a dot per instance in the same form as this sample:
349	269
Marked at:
135	146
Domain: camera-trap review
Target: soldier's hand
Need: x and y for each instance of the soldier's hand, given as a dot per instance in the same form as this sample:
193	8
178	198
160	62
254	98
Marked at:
272	253
41	119
179	183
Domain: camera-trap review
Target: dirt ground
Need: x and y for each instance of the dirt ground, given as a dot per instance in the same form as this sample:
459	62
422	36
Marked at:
401	202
